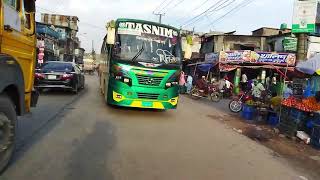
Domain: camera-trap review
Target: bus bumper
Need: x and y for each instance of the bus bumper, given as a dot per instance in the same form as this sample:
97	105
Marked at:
119	99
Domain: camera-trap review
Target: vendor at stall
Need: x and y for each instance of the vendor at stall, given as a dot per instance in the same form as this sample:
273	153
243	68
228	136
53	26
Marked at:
288	91
257	89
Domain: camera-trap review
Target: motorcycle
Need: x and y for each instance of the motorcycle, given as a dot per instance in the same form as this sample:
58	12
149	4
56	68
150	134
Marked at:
236	104
211	92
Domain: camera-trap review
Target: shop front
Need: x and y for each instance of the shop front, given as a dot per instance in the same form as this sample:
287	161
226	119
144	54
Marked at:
267	67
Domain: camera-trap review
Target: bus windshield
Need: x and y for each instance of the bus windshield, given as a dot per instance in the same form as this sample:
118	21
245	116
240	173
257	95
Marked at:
149	43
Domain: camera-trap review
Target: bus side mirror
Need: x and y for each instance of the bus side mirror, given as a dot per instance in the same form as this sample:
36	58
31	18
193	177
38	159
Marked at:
111	37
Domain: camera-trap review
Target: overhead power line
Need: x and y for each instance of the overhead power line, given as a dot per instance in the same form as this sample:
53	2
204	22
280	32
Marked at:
174	6
201	15
243	4
160	5
168	3
193	10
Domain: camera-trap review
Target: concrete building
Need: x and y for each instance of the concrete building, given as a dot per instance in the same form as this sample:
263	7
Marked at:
194	39
67	26
228	42
267	31
47	43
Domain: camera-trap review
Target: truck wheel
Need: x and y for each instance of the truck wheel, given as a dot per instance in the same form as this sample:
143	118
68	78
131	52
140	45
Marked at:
8	119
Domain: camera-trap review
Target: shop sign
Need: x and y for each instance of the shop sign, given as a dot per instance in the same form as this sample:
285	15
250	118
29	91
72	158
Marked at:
273	58
234	56
290	44
252	57
304	16
211	57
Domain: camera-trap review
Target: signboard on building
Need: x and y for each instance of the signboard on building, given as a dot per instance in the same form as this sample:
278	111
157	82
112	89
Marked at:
211	58
252	57
304	16
290	44
234	56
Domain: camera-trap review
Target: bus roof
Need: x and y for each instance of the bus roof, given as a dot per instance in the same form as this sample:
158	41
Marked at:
144	21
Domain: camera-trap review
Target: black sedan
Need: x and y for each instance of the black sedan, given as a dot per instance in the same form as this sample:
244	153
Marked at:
62	75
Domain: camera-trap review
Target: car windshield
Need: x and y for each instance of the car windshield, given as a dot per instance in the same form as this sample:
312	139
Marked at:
151	43
57	67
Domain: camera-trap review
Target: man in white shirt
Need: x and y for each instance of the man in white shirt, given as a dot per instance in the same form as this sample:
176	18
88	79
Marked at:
244	82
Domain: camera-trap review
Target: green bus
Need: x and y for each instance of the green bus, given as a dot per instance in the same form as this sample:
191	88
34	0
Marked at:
140	64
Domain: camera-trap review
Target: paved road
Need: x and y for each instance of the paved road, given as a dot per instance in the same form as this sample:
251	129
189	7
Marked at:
79	137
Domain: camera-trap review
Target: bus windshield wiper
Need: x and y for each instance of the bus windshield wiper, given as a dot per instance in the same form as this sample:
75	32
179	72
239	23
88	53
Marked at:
138	54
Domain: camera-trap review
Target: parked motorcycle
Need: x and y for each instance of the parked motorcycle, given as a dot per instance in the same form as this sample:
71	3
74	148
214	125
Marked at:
212	92
236	104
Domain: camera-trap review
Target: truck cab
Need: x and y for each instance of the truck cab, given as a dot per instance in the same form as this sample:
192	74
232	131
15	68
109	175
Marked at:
17	65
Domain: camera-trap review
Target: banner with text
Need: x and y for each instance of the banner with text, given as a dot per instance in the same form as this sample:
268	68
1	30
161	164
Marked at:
253	57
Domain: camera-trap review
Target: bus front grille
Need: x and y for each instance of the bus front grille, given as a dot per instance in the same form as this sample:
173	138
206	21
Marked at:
147	96
149	81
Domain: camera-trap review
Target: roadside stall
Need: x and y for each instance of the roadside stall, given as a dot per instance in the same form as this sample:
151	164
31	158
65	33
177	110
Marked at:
263	66
300	115
260	67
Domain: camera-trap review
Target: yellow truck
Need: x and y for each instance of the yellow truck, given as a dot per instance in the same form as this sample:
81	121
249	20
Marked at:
17	65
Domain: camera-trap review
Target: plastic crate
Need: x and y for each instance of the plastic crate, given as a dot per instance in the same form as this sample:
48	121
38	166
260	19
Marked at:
297	114
273	120
248	116
247	108
285	110
315	137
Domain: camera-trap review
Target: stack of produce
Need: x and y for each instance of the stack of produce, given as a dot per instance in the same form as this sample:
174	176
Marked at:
311	103
295	103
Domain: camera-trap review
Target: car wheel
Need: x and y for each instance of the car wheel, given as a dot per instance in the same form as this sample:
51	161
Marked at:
8	119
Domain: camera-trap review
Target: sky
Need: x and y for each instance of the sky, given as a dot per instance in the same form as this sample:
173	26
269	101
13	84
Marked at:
242	16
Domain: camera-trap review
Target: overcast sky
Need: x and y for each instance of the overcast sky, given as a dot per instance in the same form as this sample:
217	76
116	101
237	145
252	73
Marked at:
94	14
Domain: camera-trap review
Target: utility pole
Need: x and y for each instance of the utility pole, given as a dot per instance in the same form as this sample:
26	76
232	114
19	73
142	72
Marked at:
93	53
302	46
160	16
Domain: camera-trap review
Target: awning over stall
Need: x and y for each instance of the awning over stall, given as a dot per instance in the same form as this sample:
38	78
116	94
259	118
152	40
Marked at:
311	66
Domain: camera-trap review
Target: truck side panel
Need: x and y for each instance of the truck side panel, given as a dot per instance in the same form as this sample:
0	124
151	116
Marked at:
20	44
13	84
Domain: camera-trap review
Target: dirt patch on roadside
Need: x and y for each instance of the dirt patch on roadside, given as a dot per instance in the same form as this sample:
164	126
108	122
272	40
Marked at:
302	157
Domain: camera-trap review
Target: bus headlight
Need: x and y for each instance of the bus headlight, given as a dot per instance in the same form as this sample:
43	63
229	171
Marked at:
168	85
126	80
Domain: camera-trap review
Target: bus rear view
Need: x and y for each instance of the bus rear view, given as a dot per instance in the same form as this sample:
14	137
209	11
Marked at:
141	65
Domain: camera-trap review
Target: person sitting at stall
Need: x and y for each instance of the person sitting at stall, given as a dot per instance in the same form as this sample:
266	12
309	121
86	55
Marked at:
202	84
244	82
257	89
287	91
222	84
275	102
228	86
